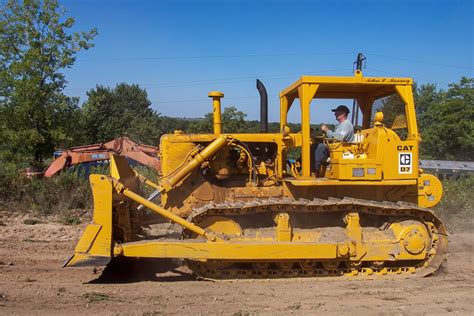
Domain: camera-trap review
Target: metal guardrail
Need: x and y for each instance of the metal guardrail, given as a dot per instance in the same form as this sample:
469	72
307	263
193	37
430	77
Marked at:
448	168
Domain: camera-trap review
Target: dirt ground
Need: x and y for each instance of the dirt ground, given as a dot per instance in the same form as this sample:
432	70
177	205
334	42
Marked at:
32	281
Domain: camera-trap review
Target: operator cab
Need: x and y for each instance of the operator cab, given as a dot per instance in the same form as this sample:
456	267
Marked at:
379	151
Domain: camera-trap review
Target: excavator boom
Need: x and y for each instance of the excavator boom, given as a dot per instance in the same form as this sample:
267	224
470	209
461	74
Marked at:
124	146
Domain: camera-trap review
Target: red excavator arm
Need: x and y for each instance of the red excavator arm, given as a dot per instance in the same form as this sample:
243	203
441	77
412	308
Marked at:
124	146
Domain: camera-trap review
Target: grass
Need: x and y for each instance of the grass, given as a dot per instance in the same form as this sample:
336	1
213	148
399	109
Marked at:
46	196
33	240
31	221
59	195
92	297
70	219
242	313
295	306
457	205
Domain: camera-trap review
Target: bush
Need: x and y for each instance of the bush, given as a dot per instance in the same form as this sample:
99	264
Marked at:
70	219
456	206
65	191
61	194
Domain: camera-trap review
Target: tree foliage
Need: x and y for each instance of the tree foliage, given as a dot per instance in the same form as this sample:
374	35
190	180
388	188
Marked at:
447	125
233	121
425	95
445	119
124	110
35	45
391	107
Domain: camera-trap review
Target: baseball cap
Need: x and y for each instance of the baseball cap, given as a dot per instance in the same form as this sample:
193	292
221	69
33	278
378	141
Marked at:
341	108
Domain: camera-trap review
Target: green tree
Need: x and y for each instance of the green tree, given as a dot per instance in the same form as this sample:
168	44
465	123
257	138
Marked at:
425	95
391	107
124	110
233	121
35	45
447	126
169	124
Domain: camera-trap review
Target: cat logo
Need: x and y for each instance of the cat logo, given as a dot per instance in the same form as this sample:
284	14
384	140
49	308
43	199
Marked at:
405	163
405	147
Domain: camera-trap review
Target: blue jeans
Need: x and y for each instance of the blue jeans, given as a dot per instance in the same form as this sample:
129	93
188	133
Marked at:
321	154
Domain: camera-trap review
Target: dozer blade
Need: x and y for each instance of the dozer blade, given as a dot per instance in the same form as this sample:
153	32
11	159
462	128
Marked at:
82	254
95	246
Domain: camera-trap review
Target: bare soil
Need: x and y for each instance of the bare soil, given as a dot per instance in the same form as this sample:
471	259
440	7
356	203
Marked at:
32	281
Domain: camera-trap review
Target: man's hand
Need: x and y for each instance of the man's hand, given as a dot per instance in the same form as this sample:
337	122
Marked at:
324	128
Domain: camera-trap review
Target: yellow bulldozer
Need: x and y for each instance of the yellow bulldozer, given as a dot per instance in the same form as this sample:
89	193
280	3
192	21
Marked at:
244	210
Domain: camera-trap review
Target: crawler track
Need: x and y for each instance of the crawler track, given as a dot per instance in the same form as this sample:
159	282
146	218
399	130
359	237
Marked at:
385	212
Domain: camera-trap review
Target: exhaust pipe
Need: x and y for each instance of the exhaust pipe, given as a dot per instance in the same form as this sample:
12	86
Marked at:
263	107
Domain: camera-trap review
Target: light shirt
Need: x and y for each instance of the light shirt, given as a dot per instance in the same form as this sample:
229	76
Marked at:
344	132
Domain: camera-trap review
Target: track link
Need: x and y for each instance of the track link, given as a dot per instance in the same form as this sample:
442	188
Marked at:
237	270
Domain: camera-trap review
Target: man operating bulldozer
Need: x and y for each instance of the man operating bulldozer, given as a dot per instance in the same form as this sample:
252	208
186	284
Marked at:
344	132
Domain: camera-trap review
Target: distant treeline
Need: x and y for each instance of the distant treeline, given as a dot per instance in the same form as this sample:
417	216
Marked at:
36	116
231	124
445	120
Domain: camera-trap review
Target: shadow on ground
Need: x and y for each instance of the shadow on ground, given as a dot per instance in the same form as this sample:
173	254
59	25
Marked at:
131	270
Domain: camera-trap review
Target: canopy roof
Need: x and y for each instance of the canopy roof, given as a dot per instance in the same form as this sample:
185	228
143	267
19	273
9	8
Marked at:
347	87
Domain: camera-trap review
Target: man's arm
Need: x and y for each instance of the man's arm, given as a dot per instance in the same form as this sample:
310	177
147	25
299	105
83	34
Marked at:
326	129
341	133
329	134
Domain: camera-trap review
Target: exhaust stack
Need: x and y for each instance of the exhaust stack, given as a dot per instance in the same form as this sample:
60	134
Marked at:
263	107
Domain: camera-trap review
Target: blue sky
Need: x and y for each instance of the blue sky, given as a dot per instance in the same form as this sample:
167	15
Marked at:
180	50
